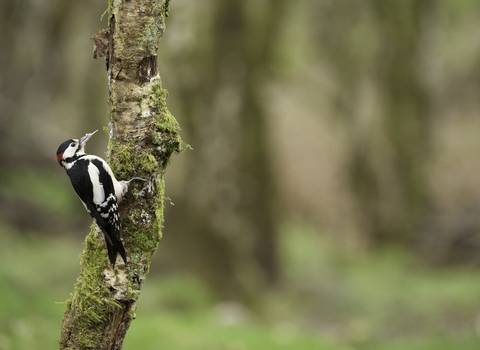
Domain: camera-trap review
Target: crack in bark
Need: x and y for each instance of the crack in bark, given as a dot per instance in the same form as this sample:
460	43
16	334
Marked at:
147	69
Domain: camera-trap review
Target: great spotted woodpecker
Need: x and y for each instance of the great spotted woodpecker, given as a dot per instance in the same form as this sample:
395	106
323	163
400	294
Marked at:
98	189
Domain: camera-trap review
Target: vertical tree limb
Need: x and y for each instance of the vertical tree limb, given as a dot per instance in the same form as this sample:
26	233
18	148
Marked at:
143	135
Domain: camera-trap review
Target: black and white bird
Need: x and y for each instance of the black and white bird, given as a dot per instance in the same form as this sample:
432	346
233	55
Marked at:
98	189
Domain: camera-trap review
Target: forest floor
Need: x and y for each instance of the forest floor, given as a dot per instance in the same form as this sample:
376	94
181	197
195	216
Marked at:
380	301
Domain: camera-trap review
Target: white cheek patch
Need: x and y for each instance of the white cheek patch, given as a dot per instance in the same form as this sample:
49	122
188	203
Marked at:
69	152
98	191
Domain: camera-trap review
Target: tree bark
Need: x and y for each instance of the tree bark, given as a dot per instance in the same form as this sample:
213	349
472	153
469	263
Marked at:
143	135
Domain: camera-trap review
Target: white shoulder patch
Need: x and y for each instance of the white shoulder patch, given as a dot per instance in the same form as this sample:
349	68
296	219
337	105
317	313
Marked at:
98	191
120	187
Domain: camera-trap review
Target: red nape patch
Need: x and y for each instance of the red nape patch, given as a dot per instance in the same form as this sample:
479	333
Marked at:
59	157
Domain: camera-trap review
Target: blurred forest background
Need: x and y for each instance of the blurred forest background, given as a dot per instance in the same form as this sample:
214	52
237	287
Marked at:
332	196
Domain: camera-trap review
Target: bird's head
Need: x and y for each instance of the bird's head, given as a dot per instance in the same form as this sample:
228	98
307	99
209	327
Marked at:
69	149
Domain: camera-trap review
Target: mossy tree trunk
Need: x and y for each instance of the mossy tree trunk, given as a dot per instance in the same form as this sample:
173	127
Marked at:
143	135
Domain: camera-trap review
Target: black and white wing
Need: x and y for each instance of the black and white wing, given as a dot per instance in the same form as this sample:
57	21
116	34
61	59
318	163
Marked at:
94	186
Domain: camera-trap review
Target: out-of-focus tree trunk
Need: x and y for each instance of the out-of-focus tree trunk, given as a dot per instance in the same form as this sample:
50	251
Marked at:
375	48
406	116
143	135
16	70
231	188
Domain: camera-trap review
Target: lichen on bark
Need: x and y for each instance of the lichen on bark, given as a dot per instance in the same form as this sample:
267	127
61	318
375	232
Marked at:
143	136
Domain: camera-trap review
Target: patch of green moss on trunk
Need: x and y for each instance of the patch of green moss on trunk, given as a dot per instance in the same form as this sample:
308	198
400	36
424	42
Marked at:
167	8
165	135
91	299
145	227
124	163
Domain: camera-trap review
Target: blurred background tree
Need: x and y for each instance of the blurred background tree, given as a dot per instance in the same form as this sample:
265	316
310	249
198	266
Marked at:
227	206
331	140
377	55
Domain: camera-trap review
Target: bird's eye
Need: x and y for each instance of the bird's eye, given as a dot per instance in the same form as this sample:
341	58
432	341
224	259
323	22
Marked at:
72	144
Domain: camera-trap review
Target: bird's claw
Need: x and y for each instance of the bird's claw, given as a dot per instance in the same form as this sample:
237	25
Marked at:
134	177
137	178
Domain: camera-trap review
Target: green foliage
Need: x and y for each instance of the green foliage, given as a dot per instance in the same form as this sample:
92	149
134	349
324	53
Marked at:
179	332
376	299
330	301
439	343
35	276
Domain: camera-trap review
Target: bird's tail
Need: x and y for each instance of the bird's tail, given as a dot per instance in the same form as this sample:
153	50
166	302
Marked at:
120	249
114	246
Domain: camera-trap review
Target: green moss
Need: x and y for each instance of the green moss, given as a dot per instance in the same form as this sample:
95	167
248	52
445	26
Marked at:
108	11
166	7
146	231
123	163
91	299
146	162
120	158
165	135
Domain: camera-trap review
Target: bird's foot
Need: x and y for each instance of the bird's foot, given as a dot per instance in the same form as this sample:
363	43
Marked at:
137	178
134	177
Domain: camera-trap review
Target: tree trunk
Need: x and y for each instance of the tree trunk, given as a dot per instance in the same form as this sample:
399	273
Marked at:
389	144
231	212
143	135
407	118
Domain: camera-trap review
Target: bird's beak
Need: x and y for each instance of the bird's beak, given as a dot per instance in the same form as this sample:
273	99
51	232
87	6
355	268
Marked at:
85	138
